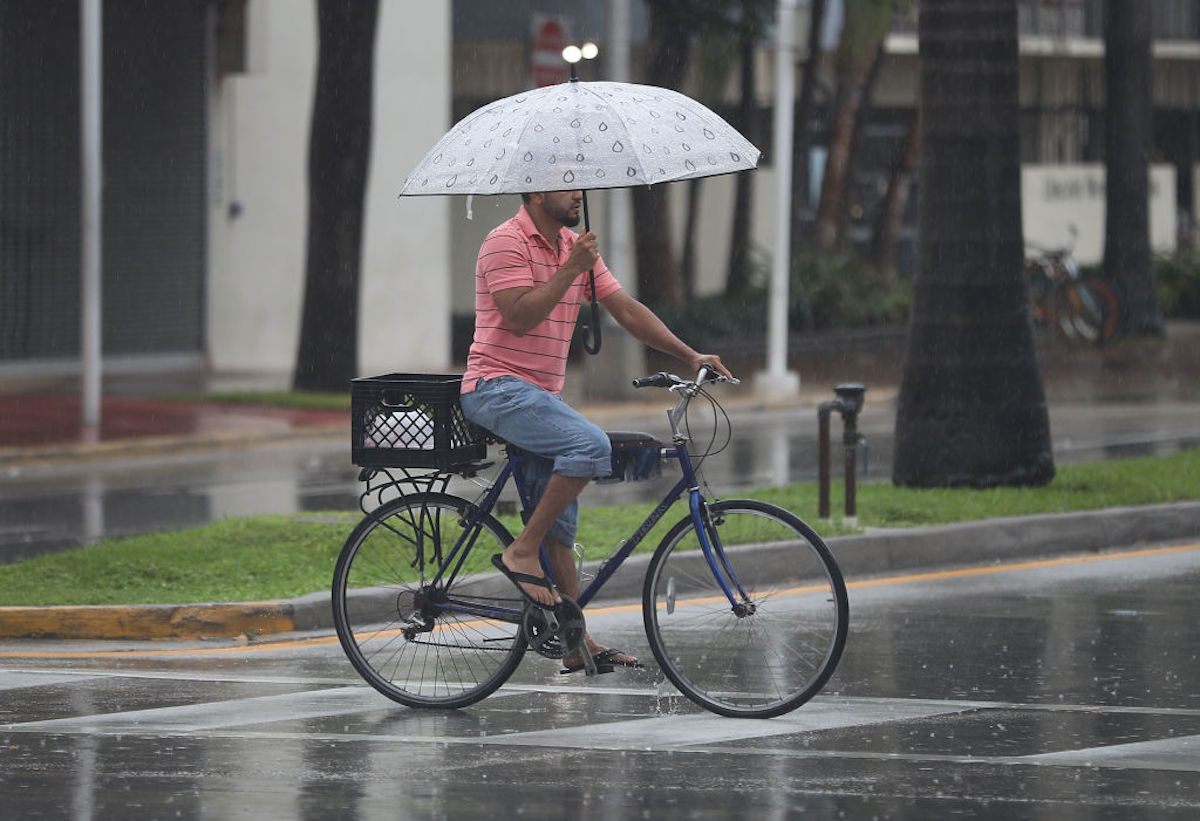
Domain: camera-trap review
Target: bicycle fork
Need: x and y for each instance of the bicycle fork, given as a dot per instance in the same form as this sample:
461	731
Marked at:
714	554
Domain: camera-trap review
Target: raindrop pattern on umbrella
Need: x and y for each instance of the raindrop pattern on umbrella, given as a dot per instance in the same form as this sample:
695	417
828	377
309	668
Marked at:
585	135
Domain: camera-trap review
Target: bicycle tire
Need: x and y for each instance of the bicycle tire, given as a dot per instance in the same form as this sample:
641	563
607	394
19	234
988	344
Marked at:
1086	310
394	623
778	651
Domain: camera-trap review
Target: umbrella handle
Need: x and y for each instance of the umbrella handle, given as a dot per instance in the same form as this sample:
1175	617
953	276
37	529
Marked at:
591	330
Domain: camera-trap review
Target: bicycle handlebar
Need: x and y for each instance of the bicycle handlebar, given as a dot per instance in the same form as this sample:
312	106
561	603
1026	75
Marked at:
662	379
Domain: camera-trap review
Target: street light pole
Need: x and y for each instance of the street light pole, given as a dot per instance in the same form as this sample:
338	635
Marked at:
777	380
90	334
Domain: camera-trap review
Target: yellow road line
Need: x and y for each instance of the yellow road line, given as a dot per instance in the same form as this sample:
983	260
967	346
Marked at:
884	581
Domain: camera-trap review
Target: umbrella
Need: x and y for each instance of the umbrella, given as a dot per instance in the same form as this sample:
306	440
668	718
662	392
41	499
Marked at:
581	136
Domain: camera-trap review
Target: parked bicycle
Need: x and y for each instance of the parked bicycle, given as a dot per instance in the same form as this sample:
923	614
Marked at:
743	605
1080	308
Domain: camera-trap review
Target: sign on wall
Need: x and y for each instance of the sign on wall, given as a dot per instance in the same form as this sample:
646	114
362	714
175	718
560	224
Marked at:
1056	197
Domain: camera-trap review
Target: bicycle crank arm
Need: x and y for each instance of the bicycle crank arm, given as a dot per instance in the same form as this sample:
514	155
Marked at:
572	632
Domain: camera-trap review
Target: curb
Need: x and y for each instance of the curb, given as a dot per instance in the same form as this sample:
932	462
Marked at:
147	621
991	541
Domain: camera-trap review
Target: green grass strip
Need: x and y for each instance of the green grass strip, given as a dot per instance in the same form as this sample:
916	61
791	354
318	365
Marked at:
282	556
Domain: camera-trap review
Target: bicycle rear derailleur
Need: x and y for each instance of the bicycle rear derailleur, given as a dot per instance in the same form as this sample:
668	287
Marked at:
556	632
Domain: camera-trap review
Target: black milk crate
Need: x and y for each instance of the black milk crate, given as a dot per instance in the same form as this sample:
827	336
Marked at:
412	420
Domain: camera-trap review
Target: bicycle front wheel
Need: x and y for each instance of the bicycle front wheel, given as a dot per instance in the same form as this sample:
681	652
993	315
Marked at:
776	643
417	626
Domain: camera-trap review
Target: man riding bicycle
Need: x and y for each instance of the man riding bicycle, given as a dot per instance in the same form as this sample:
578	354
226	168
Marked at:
531	277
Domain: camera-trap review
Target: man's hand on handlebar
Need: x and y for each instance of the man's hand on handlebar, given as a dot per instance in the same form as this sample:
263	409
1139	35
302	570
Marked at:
712	362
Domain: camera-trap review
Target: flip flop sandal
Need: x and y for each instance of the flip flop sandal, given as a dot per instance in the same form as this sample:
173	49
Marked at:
605	661
518	579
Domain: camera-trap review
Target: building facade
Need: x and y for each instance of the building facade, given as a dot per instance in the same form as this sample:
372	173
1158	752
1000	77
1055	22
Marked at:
206	128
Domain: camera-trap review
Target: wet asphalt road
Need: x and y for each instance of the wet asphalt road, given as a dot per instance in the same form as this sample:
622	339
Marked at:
51	508
1056	690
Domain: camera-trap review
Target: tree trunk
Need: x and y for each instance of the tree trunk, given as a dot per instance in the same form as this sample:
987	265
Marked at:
802	144
867	23
1128	141
887	226
861	121
737	283
660	281
339	155
972	408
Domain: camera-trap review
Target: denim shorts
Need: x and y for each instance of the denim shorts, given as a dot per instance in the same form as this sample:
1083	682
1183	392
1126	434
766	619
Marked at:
551	436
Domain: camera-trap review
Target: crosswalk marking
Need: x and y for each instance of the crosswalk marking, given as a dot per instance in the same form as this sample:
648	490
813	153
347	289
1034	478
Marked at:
690	731
1181	753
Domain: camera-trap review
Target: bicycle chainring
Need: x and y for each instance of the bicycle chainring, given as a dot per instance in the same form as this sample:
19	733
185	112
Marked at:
554	632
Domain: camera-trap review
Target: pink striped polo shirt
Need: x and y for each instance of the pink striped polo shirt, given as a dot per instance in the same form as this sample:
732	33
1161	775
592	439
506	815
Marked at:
516	255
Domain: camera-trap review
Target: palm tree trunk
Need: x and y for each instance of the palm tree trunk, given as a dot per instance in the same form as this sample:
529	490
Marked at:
660	280
1128	140
737	283
972	408
802	144
338	160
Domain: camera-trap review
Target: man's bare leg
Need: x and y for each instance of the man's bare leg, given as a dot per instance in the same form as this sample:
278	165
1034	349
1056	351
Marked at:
522	556
562	565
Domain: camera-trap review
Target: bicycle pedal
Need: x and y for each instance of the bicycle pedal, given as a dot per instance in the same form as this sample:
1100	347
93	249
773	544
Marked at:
600	669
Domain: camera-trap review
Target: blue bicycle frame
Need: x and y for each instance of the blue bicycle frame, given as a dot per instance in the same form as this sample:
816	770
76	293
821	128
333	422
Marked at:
706	533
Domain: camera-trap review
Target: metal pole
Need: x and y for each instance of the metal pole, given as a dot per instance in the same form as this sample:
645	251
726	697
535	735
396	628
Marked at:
776	380
90	76
785	92
823	412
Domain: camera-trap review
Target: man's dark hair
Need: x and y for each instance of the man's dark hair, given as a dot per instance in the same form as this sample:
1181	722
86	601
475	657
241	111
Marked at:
525	198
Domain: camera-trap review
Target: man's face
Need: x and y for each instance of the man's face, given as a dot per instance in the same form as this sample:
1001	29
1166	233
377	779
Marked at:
563	206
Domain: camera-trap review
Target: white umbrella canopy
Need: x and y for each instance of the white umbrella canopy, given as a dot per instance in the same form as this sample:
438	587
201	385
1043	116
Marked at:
581	136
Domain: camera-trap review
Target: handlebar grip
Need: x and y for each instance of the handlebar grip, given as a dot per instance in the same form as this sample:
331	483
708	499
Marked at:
662	379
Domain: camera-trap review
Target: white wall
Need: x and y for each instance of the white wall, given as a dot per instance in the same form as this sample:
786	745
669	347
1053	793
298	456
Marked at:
259	143
260	132
405	312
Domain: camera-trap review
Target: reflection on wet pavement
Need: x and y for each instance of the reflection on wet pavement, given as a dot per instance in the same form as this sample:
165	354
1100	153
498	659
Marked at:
1054	691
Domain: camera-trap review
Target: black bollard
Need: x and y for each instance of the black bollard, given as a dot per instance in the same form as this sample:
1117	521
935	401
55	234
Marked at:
848	403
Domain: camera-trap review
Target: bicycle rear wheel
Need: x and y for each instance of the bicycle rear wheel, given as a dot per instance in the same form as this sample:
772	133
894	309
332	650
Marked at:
413	636
1086	310
777	646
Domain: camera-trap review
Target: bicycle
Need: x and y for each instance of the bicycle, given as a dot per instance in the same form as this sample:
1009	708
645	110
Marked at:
743	604
1080	308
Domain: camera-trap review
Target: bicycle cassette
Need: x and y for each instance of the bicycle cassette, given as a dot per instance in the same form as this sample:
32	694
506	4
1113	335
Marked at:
554	632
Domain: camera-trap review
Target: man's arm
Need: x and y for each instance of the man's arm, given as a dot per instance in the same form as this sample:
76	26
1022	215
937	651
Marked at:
524	308
645	326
